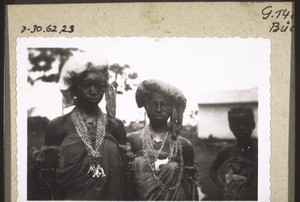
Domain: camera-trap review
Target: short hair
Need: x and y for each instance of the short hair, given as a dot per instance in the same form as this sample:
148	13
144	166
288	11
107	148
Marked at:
246	110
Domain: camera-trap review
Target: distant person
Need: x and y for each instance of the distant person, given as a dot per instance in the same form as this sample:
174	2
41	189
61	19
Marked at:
89	161
234	171
163	166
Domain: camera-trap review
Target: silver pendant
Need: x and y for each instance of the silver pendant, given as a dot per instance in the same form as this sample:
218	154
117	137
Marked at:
97	171
159	162
157	140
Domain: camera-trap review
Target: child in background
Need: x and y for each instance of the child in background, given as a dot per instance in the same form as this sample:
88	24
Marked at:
234	171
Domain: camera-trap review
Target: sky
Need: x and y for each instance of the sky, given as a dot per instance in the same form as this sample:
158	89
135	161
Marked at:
194	65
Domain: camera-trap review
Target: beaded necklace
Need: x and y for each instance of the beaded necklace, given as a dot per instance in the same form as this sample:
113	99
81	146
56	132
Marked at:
94	153
150	153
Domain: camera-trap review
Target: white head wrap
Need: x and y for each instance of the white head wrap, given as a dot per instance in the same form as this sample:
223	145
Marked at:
76	65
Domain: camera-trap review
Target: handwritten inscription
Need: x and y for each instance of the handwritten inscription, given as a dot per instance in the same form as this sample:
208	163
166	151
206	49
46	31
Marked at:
49	28
281	19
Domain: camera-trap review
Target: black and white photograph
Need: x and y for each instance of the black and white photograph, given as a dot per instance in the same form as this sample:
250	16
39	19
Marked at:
147	119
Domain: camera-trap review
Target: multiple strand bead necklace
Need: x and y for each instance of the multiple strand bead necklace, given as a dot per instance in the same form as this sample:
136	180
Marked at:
94	152
151	155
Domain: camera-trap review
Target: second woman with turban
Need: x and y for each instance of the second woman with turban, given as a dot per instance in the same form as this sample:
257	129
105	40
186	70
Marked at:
163	166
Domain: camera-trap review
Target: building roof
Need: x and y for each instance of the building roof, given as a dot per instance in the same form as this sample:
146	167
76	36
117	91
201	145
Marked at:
230	96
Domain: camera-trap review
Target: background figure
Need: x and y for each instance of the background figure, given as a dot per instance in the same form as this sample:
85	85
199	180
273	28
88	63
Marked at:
163	166
234	171
88	164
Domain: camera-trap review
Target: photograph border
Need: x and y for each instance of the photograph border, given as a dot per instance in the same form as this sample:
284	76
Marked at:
280	60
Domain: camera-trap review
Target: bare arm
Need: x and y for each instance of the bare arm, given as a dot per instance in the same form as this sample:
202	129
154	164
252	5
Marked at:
190	169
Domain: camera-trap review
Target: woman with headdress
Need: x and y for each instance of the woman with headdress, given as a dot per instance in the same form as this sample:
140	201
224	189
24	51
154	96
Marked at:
89	161
163	167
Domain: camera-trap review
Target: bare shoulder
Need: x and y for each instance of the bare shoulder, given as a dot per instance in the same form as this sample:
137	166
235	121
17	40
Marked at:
116	123
116	128
186	144
188	151
57	128
228	148
226	152
185	141
135	135
58	121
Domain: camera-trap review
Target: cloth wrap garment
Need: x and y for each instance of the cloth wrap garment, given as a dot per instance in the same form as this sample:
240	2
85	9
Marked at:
72	179
74	183
239	173
146	186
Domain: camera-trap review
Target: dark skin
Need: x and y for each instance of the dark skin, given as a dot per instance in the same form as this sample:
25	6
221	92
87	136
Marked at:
89	91
241	127
158	108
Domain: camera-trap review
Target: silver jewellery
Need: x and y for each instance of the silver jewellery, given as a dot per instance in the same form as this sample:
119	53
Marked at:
94	153
157	140
151	155
90	121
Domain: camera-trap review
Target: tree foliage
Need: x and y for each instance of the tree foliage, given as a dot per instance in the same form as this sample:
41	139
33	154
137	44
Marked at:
42	62
47	63
121	78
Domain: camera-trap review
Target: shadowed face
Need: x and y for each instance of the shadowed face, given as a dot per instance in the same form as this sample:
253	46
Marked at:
90	87
241	126
158	107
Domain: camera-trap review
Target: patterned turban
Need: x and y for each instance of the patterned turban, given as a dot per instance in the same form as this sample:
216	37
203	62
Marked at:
74	67
177	97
